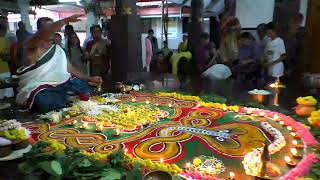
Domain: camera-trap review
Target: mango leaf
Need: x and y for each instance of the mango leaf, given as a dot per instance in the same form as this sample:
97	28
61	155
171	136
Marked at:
135	174
53	168
111	174
26	168
85	163
56	167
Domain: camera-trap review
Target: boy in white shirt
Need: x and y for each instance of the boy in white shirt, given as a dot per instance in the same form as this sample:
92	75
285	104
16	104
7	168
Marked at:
275	53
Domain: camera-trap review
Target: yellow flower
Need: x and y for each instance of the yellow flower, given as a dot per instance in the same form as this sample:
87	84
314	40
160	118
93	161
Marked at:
56	146
307	101
197	161
303	178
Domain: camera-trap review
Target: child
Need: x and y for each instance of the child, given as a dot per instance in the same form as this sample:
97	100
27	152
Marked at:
275	54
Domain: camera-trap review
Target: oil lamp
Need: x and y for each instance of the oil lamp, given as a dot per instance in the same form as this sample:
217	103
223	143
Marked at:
276	86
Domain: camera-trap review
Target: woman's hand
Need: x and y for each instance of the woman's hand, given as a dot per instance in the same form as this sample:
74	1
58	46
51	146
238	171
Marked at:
95	81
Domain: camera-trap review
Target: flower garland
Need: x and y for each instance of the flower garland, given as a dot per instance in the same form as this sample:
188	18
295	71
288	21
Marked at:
279	140
199	101
302	168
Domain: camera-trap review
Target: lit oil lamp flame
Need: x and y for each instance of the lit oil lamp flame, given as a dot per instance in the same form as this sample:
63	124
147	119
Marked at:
287	159
161	160
188	165
209	169
294	151
289	128
232	175
117	132
147	102
262	114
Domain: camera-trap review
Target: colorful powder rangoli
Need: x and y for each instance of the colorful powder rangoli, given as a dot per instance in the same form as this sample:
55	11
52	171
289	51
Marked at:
192	135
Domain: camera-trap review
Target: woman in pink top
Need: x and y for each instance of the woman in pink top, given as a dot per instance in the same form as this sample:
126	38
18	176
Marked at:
149	53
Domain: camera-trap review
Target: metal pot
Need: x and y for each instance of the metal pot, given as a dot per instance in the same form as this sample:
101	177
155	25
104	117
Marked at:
262	98
157	175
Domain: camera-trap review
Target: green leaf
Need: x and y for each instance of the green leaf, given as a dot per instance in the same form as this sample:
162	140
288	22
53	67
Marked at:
56	167
26	168
84	163
111	174
53	168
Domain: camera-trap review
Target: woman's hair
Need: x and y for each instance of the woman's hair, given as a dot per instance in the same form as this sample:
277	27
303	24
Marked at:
247	35
204	36
70	43
226	26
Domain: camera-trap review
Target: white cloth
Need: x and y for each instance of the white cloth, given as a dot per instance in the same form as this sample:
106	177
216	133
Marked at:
8	92
50	70
217	72
275	48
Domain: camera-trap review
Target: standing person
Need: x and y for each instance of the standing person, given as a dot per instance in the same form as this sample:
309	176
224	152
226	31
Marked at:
16	49
165	50
206	54
275	54
47	78
57	39
22	34
4	58
229	42
248	69
183	46
76	54
98	53
68	29
149	54
88	39
154	41
294	43
262	34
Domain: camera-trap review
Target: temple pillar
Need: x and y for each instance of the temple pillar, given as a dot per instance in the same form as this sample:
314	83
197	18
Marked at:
126	44
24	12
196	27
310	61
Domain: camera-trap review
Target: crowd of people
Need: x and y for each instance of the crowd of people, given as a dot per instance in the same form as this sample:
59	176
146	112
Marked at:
251	62
47	63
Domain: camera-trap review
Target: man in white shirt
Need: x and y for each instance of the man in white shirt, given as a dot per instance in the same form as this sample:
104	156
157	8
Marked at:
275	53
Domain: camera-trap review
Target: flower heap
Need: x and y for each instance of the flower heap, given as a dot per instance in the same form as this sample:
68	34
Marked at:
200	102
252	162
12	130
146	165
128	117
279	140
205	167
307	101
314	119
54	145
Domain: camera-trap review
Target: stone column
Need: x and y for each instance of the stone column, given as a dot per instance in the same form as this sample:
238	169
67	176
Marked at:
24	12
126	44
196	23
